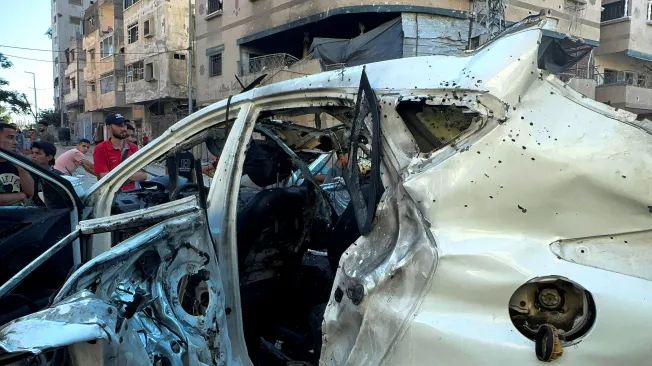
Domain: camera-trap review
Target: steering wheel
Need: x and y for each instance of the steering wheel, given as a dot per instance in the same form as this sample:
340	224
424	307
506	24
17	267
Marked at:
185	187
149	184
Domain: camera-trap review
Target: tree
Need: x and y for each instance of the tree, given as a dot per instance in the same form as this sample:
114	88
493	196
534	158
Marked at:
12	101
52	117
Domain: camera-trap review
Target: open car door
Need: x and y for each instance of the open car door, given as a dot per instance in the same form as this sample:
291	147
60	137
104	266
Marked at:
30	229
156	297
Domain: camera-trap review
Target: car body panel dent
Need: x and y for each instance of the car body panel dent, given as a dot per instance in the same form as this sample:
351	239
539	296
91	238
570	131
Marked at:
559	167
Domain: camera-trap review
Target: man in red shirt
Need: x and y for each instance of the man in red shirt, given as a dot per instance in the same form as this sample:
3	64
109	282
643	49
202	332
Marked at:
110	153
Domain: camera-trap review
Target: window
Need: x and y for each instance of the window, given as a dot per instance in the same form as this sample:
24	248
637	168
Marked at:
55	19
92	88
129	3
615	10
132	32
146	31
214	6
179	56
75	2
135	71
72	83
642	80
215	63
149	71
106	47
75	20
610	76
107	83
435	126
91	54
91	21
649	11
72	55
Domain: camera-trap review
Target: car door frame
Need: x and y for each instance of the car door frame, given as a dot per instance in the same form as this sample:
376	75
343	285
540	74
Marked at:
75	215
63	184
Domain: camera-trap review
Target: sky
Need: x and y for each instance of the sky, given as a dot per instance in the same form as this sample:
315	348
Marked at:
23	23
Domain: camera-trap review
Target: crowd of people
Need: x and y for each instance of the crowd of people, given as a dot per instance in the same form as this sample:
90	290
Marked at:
17	186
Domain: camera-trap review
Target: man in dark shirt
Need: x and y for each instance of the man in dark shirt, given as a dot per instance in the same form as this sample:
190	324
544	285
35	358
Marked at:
43	134
185	159
16	184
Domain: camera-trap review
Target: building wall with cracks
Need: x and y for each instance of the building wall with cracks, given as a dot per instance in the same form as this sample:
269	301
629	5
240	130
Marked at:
156	43
156	51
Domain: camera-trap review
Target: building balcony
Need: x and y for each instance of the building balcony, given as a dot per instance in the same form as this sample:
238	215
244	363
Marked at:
628	90
73	97
581	79
99	99
615	28
252	68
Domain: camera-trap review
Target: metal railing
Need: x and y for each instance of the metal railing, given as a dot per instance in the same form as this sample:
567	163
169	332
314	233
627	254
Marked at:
633	78
608	77
214	6
578	72
613	11
334	67
265	64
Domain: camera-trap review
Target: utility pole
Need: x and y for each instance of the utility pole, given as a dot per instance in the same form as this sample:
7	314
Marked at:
61	103
190	31
35	104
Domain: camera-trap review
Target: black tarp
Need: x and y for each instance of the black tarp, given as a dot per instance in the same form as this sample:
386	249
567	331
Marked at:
557	55
384	42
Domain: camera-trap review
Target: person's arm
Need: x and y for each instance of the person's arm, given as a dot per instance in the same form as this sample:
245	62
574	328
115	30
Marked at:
26	181
208	170
140	176
7	199
88	166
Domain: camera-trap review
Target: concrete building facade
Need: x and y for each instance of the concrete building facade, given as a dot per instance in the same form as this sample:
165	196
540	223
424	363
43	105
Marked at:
623	61
155	51
66	26
74	88
250	38
104	73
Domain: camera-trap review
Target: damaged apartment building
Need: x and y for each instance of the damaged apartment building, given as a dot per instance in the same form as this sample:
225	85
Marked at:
136	53
622	66
67	56
237	42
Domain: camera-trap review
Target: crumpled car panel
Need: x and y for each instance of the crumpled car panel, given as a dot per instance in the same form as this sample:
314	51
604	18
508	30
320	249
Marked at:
557	166
157	296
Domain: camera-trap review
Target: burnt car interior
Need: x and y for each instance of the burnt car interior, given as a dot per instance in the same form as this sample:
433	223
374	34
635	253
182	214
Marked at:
28	230
290	240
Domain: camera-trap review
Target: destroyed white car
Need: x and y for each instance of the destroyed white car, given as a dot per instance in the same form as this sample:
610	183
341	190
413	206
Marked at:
506	220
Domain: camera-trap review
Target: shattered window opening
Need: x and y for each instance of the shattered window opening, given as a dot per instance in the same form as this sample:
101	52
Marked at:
435	126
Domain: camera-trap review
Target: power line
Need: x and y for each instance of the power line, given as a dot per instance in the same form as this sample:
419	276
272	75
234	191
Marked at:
125	53
31	89
91	62
55	62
